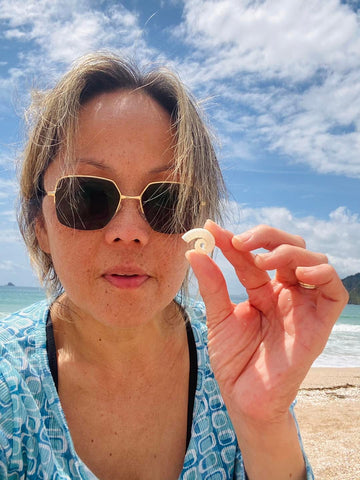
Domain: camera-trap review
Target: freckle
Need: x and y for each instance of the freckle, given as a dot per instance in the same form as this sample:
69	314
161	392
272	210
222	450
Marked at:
110	454
92	440
100	339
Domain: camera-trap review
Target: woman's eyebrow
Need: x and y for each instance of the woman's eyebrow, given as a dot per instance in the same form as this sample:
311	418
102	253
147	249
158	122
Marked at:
98	164
163	168
92	163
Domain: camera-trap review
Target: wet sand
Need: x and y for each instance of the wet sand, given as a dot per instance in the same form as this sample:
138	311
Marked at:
328	412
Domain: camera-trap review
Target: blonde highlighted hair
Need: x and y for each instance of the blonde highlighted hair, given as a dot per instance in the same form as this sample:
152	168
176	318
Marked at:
53	123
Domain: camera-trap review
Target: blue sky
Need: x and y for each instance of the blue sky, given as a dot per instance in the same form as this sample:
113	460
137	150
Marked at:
279	83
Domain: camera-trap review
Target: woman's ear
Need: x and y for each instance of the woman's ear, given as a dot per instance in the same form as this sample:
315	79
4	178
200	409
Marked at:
41	234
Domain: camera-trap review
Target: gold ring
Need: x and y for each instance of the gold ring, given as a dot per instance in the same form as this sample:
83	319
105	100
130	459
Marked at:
308	286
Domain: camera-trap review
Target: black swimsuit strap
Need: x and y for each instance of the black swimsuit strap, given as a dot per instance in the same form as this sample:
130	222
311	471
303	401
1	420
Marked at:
192	379
52	358
51	350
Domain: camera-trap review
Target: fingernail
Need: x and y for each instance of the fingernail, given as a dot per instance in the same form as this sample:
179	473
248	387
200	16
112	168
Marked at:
209	222
243	237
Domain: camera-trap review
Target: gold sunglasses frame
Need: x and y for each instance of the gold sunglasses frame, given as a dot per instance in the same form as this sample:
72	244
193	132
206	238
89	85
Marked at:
52	193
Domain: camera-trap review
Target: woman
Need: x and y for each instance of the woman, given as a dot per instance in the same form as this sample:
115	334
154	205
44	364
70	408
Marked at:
112	380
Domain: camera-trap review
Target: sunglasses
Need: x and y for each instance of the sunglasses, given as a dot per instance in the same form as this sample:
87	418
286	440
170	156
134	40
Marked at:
86	202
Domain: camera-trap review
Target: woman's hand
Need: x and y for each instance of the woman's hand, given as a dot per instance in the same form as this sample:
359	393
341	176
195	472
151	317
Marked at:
261	349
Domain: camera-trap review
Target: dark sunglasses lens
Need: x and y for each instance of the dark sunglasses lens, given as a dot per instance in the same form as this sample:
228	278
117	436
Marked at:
159	202
86	203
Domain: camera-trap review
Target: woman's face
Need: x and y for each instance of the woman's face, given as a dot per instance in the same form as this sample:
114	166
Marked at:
126	272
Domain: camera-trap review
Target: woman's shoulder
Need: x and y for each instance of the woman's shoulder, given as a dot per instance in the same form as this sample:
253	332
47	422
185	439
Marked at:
19	325
23	360
22	335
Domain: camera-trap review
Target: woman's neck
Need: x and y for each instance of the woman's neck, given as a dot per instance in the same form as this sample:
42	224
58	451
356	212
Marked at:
81	338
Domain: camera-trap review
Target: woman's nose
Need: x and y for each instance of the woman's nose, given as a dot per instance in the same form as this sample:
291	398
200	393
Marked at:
128	225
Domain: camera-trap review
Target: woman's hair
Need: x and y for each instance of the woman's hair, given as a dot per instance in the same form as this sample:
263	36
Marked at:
53	123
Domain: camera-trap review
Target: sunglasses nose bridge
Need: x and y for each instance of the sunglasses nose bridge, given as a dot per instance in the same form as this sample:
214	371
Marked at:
130	197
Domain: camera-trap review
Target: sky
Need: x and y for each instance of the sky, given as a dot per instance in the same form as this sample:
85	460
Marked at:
278	82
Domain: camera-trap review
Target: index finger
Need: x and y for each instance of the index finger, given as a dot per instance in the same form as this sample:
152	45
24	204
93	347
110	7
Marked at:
247	272
264	236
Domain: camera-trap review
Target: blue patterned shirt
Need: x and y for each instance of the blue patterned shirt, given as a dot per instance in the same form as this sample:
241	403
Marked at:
35	442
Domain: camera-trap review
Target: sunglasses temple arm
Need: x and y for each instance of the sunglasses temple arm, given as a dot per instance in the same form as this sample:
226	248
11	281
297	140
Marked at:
51	194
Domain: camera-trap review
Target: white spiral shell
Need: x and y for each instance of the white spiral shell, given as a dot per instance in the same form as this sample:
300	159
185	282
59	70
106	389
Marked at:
205	242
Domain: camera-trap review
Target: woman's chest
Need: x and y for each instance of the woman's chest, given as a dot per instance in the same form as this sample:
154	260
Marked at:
127	432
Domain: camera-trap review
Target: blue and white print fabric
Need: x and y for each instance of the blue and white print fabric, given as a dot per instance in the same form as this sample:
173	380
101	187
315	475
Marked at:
212	453
35	442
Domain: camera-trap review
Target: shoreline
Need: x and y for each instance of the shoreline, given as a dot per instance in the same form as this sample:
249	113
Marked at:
328	412
330	377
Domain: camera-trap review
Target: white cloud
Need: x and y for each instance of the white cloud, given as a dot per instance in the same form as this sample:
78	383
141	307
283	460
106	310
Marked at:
289	70
338	236
8	190
9	236
9	215
59	32
8	187
8	265
320	126
9	153
281	39
290	73
46	36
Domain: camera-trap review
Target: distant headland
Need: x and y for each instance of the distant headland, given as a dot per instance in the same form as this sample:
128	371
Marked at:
9	284
352	285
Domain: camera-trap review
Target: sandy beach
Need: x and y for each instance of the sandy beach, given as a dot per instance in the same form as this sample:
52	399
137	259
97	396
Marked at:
328	412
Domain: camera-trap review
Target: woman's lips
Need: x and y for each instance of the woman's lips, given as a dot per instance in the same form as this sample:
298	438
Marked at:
126	281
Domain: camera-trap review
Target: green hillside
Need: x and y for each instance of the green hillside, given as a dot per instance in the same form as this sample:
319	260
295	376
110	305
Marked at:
352	285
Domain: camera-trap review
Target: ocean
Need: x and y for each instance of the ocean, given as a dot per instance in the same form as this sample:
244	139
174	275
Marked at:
342	349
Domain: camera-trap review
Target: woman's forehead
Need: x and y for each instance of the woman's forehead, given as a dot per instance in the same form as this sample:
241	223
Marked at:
123	103
123	120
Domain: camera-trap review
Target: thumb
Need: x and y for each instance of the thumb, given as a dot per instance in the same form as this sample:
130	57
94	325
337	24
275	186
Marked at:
212	287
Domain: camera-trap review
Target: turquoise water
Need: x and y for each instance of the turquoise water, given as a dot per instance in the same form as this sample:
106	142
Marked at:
342	349
14	298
